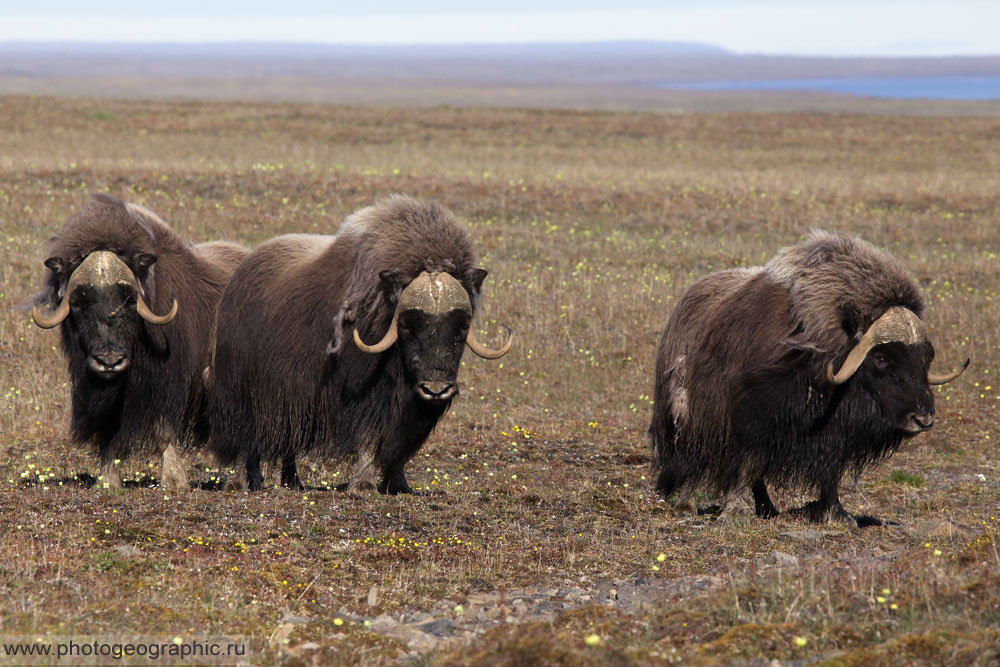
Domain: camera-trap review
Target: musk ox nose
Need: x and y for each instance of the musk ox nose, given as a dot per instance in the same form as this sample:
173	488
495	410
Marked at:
919	422
436	391
109	362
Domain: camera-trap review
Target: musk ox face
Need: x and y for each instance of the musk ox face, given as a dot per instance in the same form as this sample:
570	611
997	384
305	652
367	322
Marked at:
431	345
891	363
102	306
430	326
894	381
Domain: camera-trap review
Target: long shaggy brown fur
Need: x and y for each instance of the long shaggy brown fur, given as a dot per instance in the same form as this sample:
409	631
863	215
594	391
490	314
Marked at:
287	378
741	392
162	391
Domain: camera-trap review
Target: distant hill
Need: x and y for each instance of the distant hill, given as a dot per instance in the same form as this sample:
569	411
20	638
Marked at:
614	75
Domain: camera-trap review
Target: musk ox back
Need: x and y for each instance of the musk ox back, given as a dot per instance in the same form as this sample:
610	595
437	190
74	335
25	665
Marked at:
792	374
294	368
134	303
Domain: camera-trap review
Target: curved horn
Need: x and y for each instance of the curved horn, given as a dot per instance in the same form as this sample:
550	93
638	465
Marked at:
151	317
48	321
485	352
897	324
387	341
945	379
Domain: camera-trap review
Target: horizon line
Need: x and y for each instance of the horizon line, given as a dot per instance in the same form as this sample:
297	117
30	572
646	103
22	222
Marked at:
688	48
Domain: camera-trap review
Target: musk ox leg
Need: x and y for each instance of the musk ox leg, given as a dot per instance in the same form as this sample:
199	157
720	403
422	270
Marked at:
685	501
763	507
172	473
363	477
827	508
733	505
674	477
109	476
290	475
394	481
255	478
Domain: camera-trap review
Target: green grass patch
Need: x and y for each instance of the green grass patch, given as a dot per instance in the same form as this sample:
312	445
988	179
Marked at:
907	478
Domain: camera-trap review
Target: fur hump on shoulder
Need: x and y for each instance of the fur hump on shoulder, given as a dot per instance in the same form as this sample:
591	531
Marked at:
839	285
410	236
404	236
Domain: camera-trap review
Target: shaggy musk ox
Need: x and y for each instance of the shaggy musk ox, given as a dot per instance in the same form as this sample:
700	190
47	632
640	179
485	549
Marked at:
792	374
136	374
292	372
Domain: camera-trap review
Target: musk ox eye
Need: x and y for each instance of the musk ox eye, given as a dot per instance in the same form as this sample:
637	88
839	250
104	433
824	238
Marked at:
881	361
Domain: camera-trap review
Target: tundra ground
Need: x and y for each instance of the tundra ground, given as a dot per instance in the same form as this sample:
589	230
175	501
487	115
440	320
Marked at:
541	539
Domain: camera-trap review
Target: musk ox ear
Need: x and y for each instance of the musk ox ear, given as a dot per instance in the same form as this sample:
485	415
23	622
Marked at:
56	265
144	260
55	285
392	280
478	276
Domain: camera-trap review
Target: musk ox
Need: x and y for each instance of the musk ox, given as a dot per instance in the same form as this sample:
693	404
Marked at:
292	372
135	305
792	374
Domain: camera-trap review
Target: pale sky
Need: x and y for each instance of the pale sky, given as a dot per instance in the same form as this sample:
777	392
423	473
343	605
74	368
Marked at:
805	27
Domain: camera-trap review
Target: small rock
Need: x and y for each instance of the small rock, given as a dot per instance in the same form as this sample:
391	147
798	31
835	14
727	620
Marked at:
706	582
383	623
414	638
373	596
419	617
309	646
127	550
482	598
292	619
439	627
933	529
781	559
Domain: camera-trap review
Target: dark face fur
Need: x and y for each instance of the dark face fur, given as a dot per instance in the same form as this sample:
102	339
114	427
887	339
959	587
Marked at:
103	320
895	377
431	346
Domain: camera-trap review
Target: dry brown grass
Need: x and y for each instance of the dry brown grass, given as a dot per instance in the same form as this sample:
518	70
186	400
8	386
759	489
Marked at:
592	225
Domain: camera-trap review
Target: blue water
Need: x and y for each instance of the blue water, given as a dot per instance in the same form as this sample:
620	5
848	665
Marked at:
917	87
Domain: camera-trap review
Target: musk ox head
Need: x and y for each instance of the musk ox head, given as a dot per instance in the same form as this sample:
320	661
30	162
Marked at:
430	326
101	303
891	361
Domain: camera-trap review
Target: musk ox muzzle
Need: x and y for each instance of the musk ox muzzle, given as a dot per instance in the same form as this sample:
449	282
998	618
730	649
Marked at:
101	268
434	293
896	325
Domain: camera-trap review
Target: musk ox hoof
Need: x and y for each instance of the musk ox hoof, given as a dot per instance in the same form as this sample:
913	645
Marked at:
823	513
867	521
685	504
359	486
293	483
234	483
394	487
